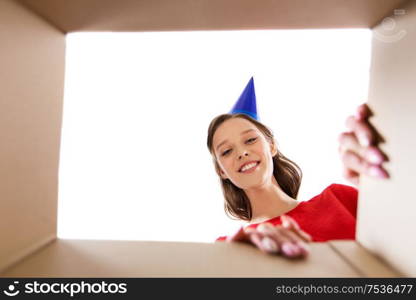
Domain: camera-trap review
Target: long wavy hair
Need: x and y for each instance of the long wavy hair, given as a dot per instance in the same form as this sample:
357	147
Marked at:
287	173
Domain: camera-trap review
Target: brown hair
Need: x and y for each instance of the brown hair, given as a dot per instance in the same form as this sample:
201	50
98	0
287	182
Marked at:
287	173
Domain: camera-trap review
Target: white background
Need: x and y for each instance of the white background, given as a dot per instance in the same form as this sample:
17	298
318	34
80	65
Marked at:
134	163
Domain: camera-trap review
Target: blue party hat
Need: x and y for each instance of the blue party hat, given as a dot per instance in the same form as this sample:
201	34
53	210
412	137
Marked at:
246	104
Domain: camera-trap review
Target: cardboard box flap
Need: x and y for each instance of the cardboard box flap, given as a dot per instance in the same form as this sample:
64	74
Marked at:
89	258
32	63
386	223
168	15
32	59
362	260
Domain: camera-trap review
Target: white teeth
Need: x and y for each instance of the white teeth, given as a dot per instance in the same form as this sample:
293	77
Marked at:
249	166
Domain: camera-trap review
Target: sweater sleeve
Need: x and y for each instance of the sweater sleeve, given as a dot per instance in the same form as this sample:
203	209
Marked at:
221	239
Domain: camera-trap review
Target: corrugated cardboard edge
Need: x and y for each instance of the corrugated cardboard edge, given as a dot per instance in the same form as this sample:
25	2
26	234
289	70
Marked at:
366	263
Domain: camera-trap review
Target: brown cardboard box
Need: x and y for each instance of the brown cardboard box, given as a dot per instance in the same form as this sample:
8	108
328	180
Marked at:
32	35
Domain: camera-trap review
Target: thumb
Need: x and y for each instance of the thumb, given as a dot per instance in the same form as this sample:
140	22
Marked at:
289	223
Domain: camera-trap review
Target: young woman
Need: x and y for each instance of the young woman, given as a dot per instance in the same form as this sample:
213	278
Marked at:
260	184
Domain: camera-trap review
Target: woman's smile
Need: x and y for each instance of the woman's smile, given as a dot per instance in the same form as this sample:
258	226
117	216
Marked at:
249	168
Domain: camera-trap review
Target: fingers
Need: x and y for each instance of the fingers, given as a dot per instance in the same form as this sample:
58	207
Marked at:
353	161
363	112
289	223
357	165
261	241
274	232
359	150
265	244
361	126
289	243
299	247
294	232
271	239
362	131
348	142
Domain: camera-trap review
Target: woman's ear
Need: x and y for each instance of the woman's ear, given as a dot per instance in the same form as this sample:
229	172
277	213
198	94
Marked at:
222	174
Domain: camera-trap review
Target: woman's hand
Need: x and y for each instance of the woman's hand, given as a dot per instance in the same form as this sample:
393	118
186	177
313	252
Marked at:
287	239
359	149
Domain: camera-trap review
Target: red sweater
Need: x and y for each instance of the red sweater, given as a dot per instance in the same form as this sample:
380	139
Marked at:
331	215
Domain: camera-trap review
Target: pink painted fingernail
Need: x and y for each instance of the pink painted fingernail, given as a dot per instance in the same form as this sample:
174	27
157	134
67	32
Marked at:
269	245
374	157
288	249
363	139
296	249
376	171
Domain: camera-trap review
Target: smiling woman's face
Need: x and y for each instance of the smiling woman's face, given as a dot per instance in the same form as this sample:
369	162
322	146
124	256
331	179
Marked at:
243	153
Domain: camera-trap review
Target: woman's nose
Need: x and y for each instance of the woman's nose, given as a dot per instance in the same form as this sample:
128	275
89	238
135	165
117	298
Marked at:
241	155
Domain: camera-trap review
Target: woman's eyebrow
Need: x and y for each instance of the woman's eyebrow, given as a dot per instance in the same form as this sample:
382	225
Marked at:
245	131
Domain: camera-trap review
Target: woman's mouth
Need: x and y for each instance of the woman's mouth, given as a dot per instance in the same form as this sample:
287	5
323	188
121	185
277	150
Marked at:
249	168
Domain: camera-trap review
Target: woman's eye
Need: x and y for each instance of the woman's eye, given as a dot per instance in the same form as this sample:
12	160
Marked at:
226	152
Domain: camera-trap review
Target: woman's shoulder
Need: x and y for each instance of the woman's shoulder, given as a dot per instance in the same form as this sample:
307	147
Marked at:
342	192
341	188
345	194
338	190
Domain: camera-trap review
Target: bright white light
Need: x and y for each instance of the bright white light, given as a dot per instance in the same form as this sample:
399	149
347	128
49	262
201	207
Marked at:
134	163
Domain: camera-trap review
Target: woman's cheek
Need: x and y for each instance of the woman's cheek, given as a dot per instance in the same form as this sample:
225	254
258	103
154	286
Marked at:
229	167
225	165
